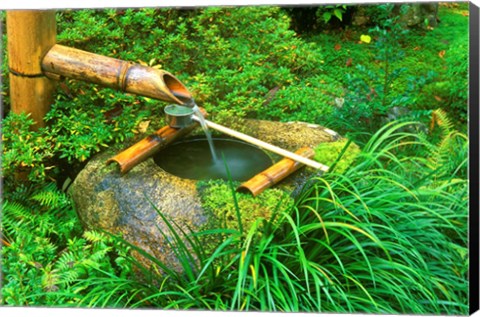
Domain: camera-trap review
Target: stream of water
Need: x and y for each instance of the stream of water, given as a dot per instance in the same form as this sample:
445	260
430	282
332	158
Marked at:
204	126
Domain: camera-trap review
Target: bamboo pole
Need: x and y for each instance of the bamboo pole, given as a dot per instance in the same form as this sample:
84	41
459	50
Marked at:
274	174
264	145
62	61
153	143
30	34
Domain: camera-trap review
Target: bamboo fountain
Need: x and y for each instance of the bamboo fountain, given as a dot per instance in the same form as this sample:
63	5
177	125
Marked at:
36	63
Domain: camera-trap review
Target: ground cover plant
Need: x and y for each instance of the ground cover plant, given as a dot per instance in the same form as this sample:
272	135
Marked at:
385	231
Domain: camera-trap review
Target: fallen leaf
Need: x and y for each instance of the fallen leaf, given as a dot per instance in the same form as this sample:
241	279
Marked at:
349	62
437	98
337	47
465	13
416	48
365	38
143	126
441	53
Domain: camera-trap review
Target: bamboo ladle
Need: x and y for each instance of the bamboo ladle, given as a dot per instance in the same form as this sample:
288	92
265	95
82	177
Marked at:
264	145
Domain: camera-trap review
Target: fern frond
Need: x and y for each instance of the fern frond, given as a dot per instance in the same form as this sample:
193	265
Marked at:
441	119
449	155
452	151
66	261
51	197
15	217
95	236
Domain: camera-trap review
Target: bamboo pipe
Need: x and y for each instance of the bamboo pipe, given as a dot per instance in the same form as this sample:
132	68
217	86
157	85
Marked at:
153	143
274	174
264	145
30	34
62	61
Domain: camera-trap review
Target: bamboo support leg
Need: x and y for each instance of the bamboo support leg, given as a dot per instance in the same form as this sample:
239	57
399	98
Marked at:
30	35
275	173
142	150
145	148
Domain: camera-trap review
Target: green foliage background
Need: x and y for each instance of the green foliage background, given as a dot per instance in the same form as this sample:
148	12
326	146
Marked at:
245	62
386	232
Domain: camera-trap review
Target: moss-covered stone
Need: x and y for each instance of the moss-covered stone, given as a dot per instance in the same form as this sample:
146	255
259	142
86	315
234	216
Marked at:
130	204
218	199
327	153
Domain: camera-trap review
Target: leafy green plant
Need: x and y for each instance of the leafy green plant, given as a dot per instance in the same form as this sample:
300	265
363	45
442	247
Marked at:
370	92
449	153
200	49
72	136
457	97
24	151
44	251
330	11
308	100
377	195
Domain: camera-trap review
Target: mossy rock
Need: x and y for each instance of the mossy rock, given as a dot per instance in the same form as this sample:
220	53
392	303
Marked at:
129	204
217	199
341	153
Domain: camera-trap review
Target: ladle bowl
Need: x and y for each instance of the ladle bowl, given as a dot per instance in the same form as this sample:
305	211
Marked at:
192	159
178	116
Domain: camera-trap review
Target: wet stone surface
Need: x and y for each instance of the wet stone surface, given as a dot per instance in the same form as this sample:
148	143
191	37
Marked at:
129	204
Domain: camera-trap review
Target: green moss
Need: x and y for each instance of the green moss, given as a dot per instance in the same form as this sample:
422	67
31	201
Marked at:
217	198
327	153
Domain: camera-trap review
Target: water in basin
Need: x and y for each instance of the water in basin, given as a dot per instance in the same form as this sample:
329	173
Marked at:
192	159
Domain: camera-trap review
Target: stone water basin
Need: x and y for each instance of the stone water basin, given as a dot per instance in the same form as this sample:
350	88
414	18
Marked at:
128	204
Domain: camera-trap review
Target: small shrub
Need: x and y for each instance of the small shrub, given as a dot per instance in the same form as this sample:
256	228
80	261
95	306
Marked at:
217	52
72	137
308	100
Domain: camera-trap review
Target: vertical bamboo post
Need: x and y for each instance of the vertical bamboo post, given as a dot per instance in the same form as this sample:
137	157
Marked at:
30	34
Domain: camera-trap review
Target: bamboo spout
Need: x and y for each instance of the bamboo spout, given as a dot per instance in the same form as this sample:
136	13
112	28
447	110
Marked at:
62	61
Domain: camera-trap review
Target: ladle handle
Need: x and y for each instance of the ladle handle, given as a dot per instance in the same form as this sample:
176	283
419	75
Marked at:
264	145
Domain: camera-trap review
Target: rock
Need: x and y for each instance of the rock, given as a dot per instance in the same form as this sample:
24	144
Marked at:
129	204
413	15
418	13
361	17
290	136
